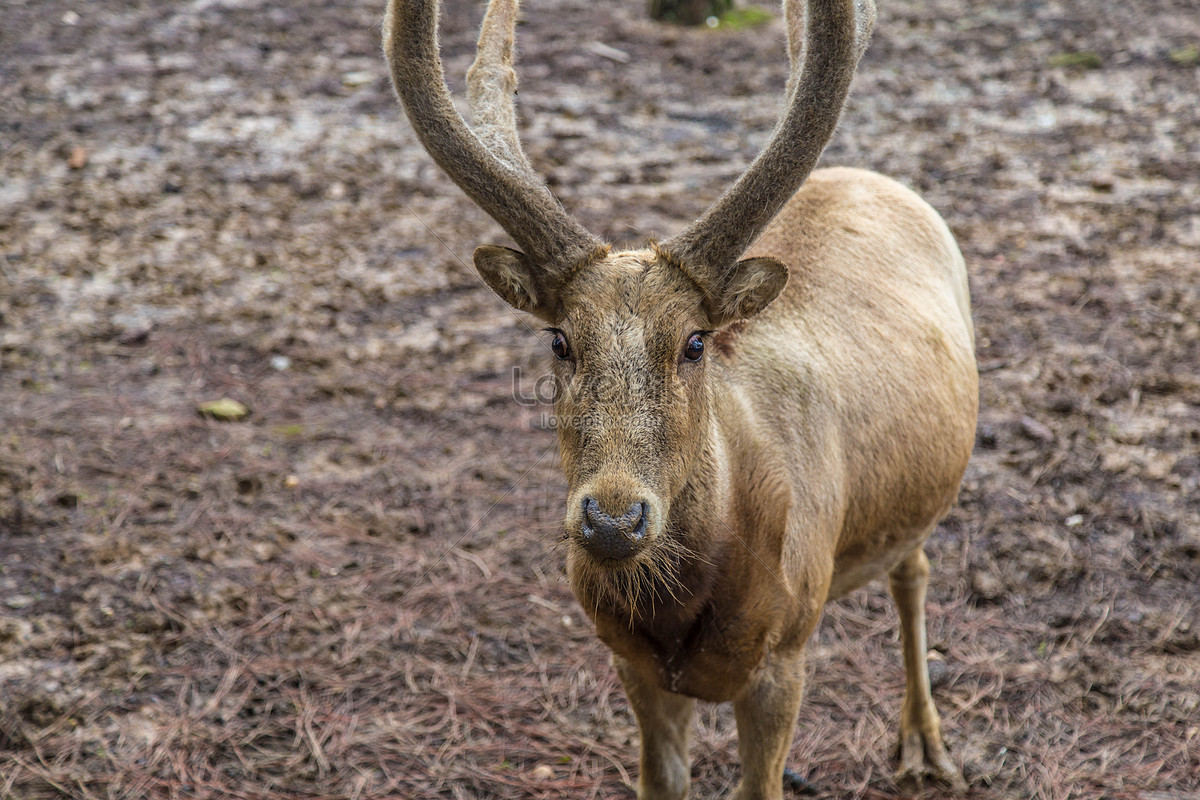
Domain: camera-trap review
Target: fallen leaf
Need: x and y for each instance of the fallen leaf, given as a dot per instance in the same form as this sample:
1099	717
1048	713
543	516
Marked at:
225	409
1084	58
1185	56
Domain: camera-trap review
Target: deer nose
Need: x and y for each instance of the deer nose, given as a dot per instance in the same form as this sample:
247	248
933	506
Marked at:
609	537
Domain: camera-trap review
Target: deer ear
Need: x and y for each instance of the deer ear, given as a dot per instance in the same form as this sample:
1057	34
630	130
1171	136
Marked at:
512	276
754	283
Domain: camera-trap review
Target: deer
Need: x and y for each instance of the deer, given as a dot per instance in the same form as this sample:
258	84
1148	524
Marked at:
757	415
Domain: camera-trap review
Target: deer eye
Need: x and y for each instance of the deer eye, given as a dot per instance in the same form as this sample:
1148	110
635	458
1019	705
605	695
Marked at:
694	349
559	345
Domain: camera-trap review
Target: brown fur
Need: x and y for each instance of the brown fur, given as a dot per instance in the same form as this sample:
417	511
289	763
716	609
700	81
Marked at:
812	448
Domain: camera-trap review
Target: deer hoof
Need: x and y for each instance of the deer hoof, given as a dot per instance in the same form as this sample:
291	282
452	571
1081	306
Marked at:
925	760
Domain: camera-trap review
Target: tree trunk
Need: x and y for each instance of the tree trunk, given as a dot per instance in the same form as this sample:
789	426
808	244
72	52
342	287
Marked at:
688	12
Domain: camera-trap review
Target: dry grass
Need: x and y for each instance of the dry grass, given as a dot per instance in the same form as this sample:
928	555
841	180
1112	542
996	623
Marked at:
440	674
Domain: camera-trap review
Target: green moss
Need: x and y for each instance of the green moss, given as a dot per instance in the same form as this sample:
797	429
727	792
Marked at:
748	17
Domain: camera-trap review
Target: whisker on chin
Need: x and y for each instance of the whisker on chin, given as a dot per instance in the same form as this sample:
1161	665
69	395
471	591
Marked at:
635	588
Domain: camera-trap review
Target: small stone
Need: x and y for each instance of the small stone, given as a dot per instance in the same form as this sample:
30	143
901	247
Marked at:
986	436
131	337
1036	430
939	673
611	53
797	783
264	551
987	585
359	77
542	772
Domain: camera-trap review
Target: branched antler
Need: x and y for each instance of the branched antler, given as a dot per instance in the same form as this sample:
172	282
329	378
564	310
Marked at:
489	166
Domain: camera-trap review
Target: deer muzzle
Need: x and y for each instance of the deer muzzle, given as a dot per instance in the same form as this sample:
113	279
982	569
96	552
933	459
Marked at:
615	538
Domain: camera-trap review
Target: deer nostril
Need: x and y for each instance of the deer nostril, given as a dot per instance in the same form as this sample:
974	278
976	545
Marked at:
592	514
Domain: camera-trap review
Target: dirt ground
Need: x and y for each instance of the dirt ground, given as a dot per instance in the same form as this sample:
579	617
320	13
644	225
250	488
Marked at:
355	591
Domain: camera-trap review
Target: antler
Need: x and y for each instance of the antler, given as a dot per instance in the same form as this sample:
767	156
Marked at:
825	43
489	164
492	84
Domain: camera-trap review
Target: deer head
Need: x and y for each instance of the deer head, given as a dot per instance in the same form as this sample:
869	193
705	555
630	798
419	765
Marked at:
631	331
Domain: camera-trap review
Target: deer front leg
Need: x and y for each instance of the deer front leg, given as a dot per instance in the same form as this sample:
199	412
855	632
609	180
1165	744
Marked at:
766	721
922	753
665	721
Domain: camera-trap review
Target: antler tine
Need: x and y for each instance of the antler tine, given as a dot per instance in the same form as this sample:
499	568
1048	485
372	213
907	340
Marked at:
835	35
794	16
492	82
502	185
